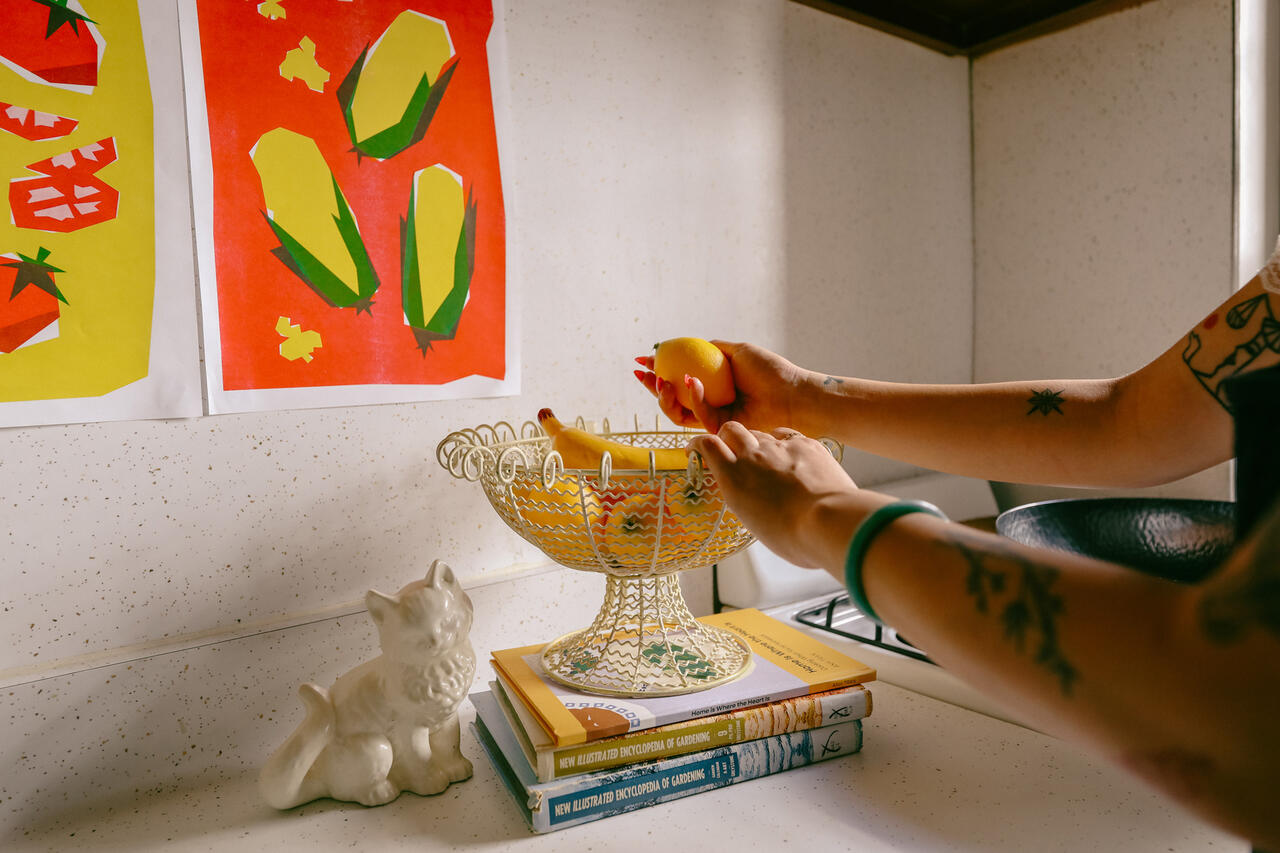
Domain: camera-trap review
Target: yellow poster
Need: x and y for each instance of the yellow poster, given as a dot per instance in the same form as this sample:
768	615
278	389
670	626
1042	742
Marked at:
78	246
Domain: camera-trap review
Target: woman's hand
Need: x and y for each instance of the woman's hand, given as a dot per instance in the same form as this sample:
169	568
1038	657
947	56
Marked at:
767	387
779	485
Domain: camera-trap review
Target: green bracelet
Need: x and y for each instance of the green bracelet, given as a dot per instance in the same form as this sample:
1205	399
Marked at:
862	537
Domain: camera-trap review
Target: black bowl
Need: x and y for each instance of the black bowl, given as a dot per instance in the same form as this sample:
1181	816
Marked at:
1178	539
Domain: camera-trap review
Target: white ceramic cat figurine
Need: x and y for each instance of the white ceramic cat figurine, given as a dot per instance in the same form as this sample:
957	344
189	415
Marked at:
390	724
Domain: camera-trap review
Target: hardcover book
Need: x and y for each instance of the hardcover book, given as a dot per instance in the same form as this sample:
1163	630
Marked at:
561	803
798	713
786	663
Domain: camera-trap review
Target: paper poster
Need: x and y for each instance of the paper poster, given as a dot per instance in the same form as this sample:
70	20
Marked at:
97	299
349	209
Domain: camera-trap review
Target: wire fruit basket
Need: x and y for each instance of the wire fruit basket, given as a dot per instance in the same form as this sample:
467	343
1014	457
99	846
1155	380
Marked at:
639	528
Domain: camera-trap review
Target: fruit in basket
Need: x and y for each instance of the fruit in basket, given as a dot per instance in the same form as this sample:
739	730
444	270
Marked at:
630	530
559	505
581	449
692	510
677	358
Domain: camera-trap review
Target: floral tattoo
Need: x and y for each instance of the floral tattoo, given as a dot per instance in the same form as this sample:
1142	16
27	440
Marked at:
1021	591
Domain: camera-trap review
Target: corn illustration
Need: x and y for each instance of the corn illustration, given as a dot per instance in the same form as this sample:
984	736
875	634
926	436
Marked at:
319	238
392	91
437	254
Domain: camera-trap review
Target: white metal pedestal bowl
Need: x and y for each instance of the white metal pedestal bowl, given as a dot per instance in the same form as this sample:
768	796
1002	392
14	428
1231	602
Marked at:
639	529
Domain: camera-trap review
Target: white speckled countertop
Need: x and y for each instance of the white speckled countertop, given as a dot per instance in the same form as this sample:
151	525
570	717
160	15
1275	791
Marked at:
162	754
931	777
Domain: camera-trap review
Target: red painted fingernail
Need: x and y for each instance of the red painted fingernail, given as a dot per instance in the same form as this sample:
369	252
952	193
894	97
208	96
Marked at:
639	374
640	360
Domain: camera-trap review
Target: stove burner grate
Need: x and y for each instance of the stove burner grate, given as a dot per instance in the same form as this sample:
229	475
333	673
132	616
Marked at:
839	616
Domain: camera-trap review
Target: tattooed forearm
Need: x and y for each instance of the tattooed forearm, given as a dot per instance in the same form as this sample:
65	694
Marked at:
1022	591
1247	337
1044	402
1181	772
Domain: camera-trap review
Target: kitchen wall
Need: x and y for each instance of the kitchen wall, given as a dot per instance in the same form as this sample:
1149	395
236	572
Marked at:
1103	200
745	169
878	276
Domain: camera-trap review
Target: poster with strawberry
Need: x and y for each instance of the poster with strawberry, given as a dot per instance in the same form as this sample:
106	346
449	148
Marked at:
97	286
348	191
32	307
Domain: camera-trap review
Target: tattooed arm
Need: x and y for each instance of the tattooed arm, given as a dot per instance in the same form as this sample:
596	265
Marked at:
1176	682
1167	420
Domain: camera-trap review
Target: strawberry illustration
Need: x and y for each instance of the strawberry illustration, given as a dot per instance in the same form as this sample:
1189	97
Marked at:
51	42
31	305
67	194
34	125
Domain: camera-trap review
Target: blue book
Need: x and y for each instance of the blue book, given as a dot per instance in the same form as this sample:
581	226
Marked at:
560	803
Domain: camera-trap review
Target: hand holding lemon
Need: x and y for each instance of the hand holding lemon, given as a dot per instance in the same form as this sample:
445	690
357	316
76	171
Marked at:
689	375
735	381
681	359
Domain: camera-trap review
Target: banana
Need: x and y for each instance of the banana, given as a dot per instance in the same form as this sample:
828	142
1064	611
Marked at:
581	449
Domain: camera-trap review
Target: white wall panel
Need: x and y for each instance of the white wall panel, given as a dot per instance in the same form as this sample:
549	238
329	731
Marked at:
1103	201
879	241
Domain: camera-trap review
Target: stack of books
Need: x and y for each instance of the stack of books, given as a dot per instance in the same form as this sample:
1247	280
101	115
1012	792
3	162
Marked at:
569	757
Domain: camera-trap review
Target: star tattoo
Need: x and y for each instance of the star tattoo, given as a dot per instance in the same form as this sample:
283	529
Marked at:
1044	402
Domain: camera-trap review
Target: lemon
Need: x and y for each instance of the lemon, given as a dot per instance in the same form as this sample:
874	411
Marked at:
559	506
680	357
553	518
693	512
630	534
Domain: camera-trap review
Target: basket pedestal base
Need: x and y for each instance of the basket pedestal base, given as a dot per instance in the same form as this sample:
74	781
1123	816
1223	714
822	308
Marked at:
645	642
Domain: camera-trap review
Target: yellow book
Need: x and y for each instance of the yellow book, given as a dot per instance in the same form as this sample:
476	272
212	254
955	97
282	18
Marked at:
786	663
799	713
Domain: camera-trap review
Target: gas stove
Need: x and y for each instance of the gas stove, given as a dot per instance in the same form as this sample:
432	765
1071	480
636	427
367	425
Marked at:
840	617
817	604
832	619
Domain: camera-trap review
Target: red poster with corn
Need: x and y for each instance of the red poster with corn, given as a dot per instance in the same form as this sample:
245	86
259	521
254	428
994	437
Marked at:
350	216
79	246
